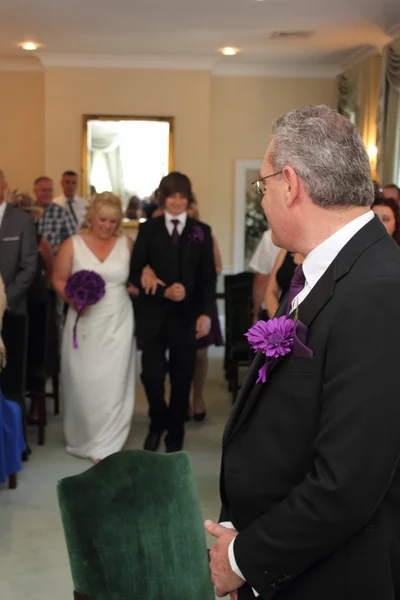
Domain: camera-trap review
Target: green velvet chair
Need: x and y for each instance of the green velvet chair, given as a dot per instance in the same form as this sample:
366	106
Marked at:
134	529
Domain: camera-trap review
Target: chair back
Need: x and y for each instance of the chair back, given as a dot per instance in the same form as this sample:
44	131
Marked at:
134	529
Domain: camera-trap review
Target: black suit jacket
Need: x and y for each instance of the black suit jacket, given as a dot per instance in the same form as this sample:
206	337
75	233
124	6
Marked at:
197	270
310	468
18	256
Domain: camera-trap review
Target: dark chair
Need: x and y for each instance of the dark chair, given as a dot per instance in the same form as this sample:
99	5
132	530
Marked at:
238	319
15	336
42	361
134	529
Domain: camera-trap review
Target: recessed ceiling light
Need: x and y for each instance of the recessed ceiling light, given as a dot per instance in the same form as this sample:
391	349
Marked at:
229	51
29	46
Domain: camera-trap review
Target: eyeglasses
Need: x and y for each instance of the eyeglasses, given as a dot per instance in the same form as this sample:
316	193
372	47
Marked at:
260	186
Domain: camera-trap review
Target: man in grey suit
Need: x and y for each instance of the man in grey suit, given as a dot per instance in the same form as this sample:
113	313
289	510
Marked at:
18	264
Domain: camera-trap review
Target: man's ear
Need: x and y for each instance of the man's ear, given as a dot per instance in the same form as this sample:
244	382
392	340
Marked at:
291	184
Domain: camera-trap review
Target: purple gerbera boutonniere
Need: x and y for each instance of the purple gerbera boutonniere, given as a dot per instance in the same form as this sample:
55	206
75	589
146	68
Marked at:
197	235
274	338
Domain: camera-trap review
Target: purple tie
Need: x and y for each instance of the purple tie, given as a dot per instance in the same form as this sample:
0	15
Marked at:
175	234
296	285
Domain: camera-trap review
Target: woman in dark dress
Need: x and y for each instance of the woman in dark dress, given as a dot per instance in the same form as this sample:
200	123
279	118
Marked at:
279	280
214	338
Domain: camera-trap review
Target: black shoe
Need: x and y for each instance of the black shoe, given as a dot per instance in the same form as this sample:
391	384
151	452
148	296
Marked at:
152	441
199	417
173	445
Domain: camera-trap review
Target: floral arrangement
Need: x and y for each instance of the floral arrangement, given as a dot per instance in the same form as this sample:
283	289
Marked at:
197	235
255	224
85	288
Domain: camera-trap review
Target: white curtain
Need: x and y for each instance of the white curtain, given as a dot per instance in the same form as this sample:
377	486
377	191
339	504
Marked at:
105	148
389	118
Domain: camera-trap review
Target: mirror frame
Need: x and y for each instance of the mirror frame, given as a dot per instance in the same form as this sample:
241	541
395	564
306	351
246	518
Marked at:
86	118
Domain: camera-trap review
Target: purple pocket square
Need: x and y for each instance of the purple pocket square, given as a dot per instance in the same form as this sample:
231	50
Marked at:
300	332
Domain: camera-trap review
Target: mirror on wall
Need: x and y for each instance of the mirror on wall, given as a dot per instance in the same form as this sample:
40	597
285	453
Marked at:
126	155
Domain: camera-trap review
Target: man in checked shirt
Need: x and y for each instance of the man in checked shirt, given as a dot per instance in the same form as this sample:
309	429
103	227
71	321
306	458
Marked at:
56	224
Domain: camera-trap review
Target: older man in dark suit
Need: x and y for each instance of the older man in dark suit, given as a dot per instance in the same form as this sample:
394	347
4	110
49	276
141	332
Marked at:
18	263
310	479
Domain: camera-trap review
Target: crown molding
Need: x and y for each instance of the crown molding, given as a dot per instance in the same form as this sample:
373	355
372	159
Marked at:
282	71
18	64
358	55
110	61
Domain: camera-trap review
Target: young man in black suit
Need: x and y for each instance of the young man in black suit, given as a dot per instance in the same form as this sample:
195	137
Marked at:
179	251
310	479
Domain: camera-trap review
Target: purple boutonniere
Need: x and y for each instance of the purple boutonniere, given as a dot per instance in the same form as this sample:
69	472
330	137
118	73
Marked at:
197	235
278	337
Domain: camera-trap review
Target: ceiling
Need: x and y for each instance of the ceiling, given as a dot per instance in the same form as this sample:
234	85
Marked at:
188	33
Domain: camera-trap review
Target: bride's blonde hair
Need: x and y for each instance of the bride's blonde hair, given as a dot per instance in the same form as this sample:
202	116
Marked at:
107	203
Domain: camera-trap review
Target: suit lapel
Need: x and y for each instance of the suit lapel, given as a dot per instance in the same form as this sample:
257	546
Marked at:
308	311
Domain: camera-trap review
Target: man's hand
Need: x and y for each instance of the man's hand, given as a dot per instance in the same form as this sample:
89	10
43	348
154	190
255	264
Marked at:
175	292
222	576
150	281
203	326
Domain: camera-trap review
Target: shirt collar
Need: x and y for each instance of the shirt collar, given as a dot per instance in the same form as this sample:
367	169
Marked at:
3	206
319	259
181	218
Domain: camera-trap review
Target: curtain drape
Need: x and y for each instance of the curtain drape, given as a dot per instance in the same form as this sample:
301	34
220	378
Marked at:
107	144
390	151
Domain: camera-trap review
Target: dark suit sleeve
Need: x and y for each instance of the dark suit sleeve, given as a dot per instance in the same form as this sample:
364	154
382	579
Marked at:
208	275
356	449
19	286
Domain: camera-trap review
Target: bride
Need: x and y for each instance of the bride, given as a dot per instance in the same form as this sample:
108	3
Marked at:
98	377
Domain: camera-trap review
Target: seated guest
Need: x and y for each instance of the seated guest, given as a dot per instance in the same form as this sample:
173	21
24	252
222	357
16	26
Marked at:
388	211
279	280
56	224
18	264
74	204
180	252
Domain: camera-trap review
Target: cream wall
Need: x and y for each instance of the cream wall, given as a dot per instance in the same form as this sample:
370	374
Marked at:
22	127
184	95
242	110
217	120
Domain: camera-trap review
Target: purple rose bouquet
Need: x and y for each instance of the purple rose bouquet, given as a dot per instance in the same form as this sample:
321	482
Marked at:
85	288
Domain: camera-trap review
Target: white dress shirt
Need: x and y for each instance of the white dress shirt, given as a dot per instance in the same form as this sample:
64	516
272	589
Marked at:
79	206
170	226
2	211
265	254
314	266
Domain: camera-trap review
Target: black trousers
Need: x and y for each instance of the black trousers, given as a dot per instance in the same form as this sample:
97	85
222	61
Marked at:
176	337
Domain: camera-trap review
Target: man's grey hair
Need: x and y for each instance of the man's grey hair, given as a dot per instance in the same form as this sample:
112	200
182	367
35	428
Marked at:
327	152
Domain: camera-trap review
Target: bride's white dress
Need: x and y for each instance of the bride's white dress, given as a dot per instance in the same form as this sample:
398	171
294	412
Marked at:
98	377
